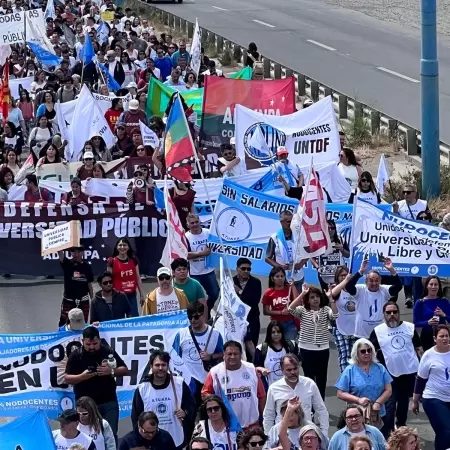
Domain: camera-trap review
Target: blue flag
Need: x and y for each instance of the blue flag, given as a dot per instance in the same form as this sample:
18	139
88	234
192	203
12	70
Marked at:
234	424
87	51
27	433
111	82
159	198
102	33
44	56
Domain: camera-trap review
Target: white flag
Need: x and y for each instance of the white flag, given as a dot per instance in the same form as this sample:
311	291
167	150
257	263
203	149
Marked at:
382	175
50	10
62	124
149	137
196	49
258	142
36	33
5	52
232	323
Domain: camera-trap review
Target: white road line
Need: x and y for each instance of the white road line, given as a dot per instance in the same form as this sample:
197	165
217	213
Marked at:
319	44
392	72
219	8
264	23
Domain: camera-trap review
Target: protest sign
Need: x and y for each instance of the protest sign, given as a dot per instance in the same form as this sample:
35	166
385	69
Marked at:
18	84
243	221
149	137
60	237
107	16
416	248
308	132
22	225
31	364
272	97
13	25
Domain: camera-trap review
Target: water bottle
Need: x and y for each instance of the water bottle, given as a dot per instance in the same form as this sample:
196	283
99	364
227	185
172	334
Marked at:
111	361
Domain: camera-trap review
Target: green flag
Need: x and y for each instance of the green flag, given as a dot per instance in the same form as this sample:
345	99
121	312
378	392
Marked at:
158	95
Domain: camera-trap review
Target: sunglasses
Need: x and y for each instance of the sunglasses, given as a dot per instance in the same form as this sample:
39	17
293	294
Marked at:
195	316
363	180
407	192
106	283
213	409
391	313
160	53
88	159
96	138
164	277
245	269
83	414
256	444
172	48
365	350
138	174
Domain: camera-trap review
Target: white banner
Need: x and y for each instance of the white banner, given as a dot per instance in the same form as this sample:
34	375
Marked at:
12	26
16	83
308	132
149	137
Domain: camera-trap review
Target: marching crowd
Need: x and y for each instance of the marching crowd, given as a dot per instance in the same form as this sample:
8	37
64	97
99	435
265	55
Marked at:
384	361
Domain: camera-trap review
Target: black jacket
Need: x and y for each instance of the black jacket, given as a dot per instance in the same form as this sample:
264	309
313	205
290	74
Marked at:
187	404
100	311
119	73
161	441
251	295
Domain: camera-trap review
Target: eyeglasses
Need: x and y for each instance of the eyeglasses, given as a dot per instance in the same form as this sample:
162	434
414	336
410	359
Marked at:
407	192
310	438
213	409
106	283
245	269
363	351
88	159
164	277
391	313
355	417
256	444
195	316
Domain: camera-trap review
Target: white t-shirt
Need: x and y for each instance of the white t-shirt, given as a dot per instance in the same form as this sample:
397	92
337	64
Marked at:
98	438
125	18
64	444
435	367
404	210
272	363
369	197
283	167
166	303
218	439
198	243
350	173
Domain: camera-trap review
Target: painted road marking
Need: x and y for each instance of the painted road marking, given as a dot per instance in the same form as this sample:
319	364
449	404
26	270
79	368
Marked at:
264	23
219	8
319	44
383	69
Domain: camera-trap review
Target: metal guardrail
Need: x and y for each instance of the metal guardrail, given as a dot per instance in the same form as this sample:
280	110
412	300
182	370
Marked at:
346	108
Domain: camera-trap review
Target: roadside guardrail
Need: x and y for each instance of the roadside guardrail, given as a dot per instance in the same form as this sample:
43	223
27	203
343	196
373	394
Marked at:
346	108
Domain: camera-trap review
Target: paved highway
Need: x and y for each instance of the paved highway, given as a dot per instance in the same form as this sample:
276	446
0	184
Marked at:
376	62
35	309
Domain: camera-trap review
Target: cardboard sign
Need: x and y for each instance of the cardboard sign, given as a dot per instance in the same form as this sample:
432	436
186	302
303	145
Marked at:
60	237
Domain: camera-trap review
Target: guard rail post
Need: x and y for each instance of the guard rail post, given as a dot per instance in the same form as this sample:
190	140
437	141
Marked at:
375	121
277	71
266	66
343	106
301	85
190	30
327	92
314	86
411	142
219	43
288	73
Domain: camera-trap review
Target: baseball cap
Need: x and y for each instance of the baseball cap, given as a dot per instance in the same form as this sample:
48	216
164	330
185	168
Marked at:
281	150
164	271
68	416
233	141
308	102
76	319
133	105
88	155
120	125
132	84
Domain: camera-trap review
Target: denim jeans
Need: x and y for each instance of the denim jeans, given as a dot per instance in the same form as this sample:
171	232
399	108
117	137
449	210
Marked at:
110	412
290	330
210	285
438	413
132	298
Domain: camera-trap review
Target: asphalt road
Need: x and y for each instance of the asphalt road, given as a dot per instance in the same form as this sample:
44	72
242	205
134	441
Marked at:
35	309
376	62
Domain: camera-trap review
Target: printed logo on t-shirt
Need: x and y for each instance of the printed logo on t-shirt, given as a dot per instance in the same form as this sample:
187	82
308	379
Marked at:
240	392
447	375
280	301
246	376
373	308
168	305
350	306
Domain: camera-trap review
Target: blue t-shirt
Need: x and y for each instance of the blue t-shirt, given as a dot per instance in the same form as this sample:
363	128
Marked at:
355	381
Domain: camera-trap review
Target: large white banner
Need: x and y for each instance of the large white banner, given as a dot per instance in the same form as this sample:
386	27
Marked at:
308	132
32	365
12	26
416	248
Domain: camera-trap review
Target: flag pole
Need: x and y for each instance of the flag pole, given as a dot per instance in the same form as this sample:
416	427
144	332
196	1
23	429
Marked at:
166	204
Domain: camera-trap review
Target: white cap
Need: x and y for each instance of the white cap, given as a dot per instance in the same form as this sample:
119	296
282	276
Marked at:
133	105
233	141
164	271
88	155
76	319
132	84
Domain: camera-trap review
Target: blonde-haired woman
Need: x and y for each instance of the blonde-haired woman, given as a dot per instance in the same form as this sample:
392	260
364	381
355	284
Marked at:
404	438
365	382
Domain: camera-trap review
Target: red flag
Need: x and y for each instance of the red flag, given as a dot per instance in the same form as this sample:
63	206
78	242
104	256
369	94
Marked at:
5	92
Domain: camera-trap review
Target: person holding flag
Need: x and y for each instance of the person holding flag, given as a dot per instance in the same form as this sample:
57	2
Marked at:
289	171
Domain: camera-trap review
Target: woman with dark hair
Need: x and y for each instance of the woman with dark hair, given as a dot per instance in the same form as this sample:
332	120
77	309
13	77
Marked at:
268	354
47	107
126	277
144	79
11	160
276	300
93	425
326	265
183	197
432	387
253	439
112	114
129	68
98	171
191	80
39	82
214	423
75	196
142	151
344	329
40	135
252	54
141	97
11	137
49	155
101	153
6	179
425	216
314	343
15	116
350	168
124	145
431	310
366	190
25	104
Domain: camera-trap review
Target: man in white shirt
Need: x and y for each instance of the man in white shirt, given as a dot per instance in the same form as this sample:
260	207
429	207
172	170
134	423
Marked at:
290	386
198	251
127	16
68	434
175	81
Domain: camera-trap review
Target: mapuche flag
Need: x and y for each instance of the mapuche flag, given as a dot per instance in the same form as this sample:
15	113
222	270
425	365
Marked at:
275	97
5	92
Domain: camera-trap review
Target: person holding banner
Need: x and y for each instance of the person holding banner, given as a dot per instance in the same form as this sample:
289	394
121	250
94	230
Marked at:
75	196
283	166
34	193
229	164
371	296
366	190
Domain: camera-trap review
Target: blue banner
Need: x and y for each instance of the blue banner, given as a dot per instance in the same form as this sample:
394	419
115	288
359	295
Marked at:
32	365
30	432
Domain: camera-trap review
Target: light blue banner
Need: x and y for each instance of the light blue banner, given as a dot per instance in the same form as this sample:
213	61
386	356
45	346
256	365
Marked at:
31	364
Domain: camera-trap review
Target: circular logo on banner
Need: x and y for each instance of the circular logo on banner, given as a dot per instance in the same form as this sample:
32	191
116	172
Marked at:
398	342
66	403
161	408
273	137
233	225
432	270
414	270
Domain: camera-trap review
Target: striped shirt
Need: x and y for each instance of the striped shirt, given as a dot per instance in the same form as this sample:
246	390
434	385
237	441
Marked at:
314	333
